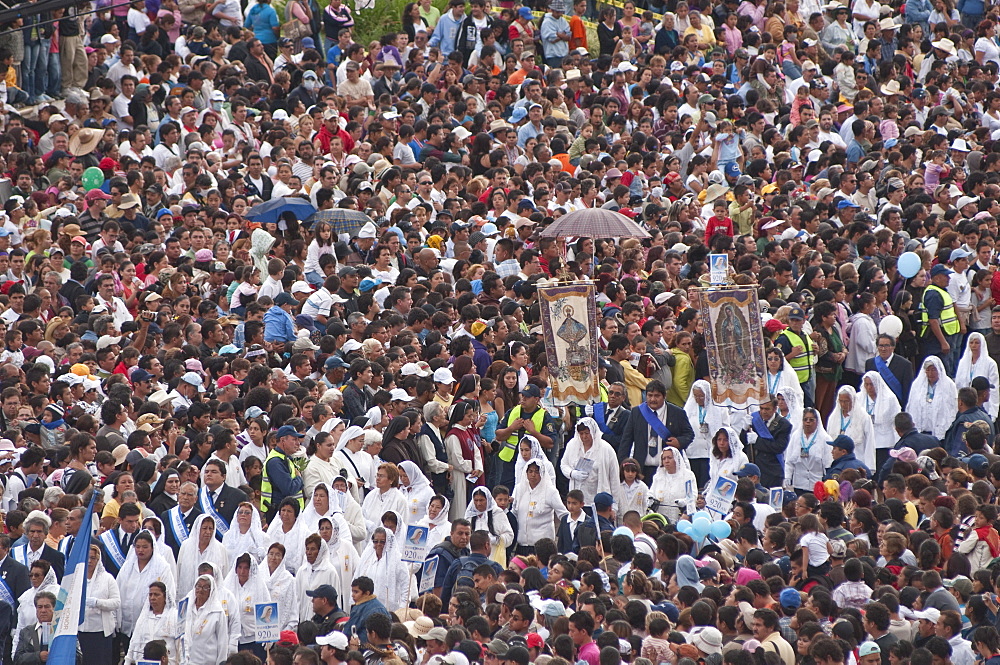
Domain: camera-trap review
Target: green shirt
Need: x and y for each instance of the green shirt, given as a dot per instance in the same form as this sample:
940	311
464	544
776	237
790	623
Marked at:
430	15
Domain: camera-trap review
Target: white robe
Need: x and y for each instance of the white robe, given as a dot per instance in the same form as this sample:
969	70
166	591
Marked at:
247	596
855	425
501	534
882	411
933	410
292	541
379	503
133	585
984	366
602	472
190	557
391	577
711	415
208	638
281	585
727	466
417	494
313	575
673	489
807	457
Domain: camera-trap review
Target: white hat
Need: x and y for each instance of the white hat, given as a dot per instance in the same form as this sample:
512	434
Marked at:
960	145
335	640
443	375
369	230
280	114
194	379
966	200
399	395
461	133
107	340
109	39
301	287
160	397
350	345
709	640
57	117
413	369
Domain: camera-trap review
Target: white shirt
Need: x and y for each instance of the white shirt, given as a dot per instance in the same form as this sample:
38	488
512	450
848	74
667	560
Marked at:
536	509
271	288
117	309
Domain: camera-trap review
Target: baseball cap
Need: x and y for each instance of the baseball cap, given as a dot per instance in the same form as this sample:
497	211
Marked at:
336	639
288	430
868	648
228	380
531	390
940	270
323	590
790	598
603	500
443	375
796	313
193	379
747	470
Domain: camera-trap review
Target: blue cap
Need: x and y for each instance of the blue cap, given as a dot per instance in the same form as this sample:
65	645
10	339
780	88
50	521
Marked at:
305	321
335	361
846	203
163	211
288	430
519	114
891	143
733	170
531	390
843	442
790	598
229	348
141	375
796	313
747	470
285	298
525	13
940	270
977	463
603	500
369	284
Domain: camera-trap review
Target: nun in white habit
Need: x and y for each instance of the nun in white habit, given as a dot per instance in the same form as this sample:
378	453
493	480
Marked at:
808	456
416	489
436	519
201	547
157	621
315	571
352	459
318	507
977	362
590	462
790	404
246	534
846	420
249	588
342	501
287	531
530	449
385	497
674	484
281	585
144	565
208	639
877	401
706	418
933	397
343	556
727	455
485	515
381	563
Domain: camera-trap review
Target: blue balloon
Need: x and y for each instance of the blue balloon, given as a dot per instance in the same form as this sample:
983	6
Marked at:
702	527
908	264
721	529
703	513
684	526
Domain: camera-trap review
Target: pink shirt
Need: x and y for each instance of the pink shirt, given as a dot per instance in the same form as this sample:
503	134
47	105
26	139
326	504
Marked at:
590	653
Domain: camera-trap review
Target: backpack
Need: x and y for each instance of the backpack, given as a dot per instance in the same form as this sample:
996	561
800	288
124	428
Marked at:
466	567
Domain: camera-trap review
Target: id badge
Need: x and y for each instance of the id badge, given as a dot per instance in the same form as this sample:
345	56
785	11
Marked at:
704	428
803	454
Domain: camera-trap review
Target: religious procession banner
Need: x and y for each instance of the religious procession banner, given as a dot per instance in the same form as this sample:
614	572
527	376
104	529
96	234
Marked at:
569	324
735	342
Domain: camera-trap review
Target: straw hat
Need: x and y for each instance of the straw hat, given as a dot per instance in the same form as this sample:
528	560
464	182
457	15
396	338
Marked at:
85	141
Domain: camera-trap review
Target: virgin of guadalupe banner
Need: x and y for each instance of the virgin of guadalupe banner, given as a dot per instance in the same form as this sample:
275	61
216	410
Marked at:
569	325
735	344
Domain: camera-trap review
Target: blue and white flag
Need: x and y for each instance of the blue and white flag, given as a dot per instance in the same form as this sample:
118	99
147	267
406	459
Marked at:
72	600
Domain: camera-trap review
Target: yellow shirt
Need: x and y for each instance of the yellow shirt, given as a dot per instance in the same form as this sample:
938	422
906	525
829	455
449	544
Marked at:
635	383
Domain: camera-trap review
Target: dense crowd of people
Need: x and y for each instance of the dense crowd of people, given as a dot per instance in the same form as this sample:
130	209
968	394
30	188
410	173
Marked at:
269	300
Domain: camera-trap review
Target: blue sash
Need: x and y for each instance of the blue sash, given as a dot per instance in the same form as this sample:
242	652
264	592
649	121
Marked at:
600	415
889	378
175	520
654	422
113	547
760	427
20	555
6	595
221	525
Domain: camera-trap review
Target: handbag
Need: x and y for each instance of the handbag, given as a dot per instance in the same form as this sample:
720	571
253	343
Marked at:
294	28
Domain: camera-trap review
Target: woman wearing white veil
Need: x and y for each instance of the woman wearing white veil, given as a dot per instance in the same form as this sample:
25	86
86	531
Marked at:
727	454
103	602
354	461
780	374
530	449
157	621
380	562
343	556
385	497
199	548
706	418
281	585
485	515
248	588
316	570
416	489
790	404
323	465
144	565
40	581
674	484
933	396
537	504
154	525
808	456
877	401
436	519
847	420
590	462
342	501
287	531
208	639
977	362
318	507
246	534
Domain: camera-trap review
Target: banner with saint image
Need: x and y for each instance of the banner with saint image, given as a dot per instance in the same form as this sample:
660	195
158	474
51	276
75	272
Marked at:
569	325
735	343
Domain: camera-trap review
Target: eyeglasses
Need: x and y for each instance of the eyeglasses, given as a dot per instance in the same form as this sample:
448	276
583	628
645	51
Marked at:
425	183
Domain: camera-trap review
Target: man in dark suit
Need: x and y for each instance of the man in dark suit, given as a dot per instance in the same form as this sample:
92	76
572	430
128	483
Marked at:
652	426
613	417
13	578
217	498
35	640
773	433
184	512
74	285
899	368
36	529
116	542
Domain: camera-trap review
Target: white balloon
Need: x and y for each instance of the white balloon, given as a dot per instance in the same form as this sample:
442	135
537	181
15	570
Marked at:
891	325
